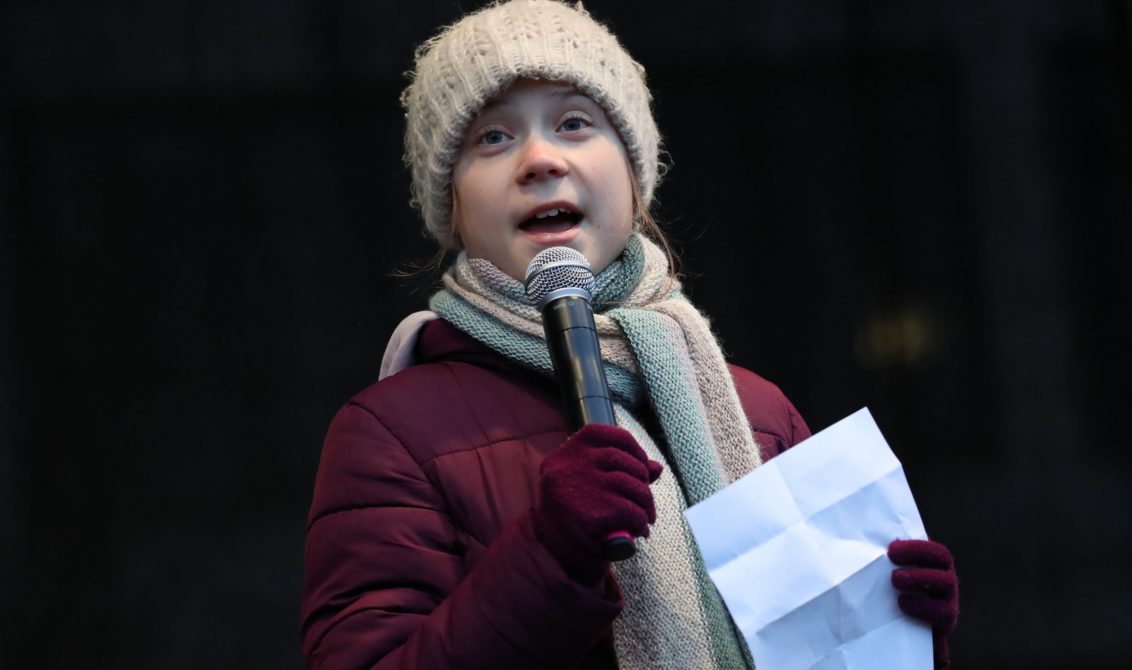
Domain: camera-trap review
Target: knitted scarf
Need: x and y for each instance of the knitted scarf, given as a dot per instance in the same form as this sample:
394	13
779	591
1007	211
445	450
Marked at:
657	348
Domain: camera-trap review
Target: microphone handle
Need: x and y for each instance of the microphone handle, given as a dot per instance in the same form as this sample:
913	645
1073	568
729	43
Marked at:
571	336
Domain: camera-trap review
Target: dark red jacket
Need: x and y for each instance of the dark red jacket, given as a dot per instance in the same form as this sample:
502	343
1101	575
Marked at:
419	548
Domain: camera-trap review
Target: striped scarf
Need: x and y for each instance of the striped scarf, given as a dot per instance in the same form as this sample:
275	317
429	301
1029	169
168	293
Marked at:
656	347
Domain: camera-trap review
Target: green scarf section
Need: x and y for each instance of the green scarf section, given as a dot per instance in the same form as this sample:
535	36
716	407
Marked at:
658	348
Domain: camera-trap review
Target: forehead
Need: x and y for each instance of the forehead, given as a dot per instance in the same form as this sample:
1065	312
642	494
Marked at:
526	89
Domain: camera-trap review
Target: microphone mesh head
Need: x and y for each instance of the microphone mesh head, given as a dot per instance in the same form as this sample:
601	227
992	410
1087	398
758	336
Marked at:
557	268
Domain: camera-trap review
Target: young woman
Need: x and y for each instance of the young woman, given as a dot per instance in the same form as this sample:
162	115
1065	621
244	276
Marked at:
455	523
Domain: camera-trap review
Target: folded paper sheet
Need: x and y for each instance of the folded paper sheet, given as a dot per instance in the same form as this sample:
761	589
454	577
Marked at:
798	550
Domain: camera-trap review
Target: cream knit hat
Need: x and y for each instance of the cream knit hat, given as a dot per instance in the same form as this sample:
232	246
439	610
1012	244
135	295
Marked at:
459	70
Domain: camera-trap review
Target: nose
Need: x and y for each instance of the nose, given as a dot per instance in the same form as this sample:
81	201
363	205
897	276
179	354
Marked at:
541	159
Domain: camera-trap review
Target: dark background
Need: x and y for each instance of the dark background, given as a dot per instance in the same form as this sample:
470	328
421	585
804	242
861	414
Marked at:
922	207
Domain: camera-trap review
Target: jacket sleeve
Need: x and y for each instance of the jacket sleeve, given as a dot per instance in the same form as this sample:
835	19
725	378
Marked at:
385	583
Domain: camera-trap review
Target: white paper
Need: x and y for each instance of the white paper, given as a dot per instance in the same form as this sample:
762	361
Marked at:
798	550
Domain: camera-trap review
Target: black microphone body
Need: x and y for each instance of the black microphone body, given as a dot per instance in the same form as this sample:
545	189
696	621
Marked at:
571	336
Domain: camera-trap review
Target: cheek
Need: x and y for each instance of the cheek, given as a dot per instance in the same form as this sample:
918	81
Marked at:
618	226
618	185
481	188
468	199
618	197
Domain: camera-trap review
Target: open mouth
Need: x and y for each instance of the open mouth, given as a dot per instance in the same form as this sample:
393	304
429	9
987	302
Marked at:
551	221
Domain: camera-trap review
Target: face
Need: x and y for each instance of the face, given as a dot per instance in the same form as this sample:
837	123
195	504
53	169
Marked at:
542	166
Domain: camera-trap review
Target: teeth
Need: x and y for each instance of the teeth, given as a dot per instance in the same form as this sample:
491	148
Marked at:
549	212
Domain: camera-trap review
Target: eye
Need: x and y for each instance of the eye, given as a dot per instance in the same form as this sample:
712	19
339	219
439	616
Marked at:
575	122
492	135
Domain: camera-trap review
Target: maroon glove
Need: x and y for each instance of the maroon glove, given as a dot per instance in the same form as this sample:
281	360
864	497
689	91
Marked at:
930	589
596	483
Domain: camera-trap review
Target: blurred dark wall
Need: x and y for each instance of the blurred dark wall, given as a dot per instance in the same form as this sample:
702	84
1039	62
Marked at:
919	207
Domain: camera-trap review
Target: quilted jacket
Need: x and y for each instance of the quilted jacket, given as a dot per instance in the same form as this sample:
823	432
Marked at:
420	552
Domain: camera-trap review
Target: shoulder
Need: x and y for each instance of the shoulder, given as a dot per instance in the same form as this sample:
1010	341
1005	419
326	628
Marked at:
380	443
774	420
438	408
366	461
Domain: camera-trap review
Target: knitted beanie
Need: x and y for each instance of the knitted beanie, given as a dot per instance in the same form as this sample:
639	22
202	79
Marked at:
463	67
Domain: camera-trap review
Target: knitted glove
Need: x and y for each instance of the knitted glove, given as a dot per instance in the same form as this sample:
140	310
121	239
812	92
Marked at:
596	483
930	589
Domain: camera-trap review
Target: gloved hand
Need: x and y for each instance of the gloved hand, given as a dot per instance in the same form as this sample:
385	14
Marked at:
930	589
596	483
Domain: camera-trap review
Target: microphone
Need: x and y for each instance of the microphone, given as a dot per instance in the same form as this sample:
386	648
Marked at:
559	280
